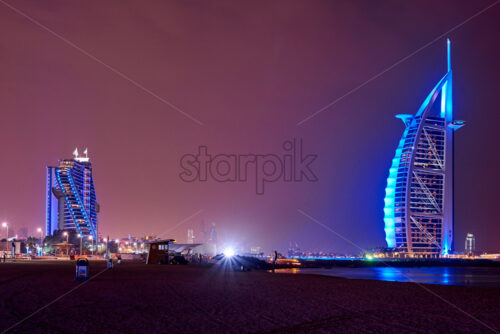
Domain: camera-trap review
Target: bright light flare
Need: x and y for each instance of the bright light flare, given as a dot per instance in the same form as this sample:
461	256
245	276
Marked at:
229	252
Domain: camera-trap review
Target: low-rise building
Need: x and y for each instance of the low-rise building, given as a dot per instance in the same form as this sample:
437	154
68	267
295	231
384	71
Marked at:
161	251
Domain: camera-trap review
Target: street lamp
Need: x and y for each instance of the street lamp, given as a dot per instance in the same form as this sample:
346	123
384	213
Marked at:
4	224
91	243
39	230
67	241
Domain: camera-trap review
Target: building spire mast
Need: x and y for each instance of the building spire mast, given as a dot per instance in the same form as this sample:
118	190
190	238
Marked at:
448	43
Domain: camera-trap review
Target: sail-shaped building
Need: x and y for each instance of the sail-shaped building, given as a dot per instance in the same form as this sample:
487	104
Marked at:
418	211
71	202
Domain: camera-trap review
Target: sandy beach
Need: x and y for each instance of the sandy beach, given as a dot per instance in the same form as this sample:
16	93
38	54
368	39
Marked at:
138	298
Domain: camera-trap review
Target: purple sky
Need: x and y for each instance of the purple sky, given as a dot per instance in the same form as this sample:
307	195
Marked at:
249	71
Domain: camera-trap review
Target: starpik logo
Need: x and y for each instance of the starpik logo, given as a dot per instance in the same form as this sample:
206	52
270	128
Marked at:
291	166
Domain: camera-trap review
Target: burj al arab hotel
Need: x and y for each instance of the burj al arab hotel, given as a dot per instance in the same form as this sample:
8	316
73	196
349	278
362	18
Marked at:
418	211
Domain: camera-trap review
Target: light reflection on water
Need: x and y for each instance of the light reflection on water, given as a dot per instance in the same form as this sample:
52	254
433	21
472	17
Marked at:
431	275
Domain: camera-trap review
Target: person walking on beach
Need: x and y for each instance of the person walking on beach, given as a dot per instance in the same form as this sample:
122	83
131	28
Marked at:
274	260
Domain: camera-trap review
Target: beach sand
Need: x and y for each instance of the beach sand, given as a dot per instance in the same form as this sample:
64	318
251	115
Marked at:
139	298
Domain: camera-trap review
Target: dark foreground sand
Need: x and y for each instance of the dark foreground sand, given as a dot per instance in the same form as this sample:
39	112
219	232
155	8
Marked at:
138	298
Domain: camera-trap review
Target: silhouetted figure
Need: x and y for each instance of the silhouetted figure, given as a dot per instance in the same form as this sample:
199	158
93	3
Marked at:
274	260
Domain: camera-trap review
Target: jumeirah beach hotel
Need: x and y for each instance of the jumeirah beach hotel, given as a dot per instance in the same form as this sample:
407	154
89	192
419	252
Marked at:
71	202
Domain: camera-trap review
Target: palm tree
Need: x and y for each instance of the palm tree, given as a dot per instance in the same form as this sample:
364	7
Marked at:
31	243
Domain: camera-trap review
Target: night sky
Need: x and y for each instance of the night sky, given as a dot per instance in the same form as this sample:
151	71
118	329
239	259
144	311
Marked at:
249	71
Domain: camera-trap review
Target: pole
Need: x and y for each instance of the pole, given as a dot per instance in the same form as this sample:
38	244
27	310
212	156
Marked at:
81	239
41	240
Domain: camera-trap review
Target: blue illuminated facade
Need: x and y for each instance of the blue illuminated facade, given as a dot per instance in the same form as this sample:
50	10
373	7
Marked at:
71	202
418	211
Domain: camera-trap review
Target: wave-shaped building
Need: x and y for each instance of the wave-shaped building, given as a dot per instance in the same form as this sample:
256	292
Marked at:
71	202
418	212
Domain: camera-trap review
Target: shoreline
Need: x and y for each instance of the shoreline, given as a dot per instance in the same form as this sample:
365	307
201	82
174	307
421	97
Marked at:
399	263
445	276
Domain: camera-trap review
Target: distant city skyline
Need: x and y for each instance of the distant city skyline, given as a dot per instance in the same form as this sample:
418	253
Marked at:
249	73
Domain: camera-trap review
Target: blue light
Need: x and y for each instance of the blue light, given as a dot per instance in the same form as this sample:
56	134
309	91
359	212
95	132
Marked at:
445	249
325	258
443	100
390	191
